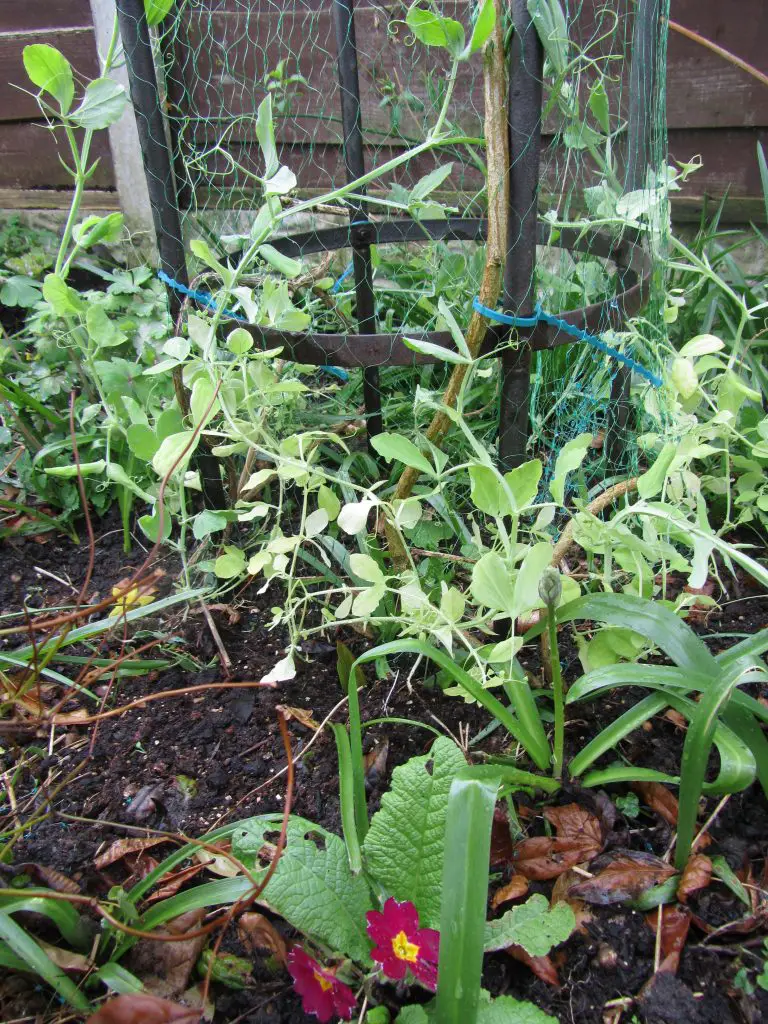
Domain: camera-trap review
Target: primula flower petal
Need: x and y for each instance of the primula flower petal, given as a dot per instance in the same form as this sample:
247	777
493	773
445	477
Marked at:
400	945
322	994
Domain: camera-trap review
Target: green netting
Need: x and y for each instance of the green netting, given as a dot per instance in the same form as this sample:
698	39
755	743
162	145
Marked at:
603	162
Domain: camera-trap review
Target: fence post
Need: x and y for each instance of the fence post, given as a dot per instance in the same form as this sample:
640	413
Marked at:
643	84
140	63
124	144
525	99
354	160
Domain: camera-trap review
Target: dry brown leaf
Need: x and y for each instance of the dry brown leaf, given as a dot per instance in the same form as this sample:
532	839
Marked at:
47	876
696	875
516	887
66	959
561	894
172	883
375	761
621	876
502	847
676	718
257	933
541	966
675	922
124	847
141	1008
166	967
659	799
302	715
579	839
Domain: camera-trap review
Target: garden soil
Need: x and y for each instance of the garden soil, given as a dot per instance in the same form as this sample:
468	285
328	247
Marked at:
191	763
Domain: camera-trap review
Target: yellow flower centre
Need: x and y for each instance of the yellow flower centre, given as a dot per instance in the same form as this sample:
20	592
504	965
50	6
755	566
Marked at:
403	949
322	981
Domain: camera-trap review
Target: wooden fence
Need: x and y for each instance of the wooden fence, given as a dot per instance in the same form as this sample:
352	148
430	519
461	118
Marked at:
715	109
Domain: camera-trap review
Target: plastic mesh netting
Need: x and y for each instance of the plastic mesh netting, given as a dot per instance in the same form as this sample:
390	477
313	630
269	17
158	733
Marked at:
602	168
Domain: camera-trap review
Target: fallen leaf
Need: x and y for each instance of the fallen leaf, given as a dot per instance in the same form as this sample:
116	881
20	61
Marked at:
166	967
302	715
47	876
659	799
124	848
502	847
66	959
621	876
676	718
516	887
218	864
697	875
579	839
145	801
257	933
675	922
375	761
541	966
172	883
561	894
141	1008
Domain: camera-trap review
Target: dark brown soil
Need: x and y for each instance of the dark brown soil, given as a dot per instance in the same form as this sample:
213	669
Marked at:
228	744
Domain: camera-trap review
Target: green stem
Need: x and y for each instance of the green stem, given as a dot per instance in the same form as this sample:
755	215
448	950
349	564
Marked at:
557	692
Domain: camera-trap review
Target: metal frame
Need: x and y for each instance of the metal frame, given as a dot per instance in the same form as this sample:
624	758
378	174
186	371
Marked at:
368	349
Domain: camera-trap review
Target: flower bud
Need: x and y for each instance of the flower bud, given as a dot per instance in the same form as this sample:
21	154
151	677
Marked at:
550	587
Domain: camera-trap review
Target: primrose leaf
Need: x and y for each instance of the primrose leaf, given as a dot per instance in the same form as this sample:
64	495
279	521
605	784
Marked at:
395	446
404	848
51	72
534	925
312	887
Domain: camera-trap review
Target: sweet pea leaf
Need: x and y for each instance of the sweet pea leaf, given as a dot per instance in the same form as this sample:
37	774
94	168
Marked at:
312	887
395	446
64	300
571	457
432	29
51	72
156	10
534	925
404	848
491	583
103	104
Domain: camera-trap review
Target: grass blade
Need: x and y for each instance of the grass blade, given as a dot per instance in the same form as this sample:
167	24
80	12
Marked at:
25	947
538	752
349	824
471	804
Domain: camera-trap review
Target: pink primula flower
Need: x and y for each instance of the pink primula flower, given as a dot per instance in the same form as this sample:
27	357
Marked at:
400	945
322	994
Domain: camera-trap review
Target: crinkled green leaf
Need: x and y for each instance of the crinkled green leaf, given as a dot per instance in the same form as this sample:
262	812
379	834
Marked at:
312	887
405	843
534	925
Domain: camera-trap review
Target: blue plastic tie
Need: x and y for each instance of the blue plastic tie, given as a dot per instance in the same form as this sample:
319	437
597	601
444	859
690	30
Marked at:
539	316
207	300
336	286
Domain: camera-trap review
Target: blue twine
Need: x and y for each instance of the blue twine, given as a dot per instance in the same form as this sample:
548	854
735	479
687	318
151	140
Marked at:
336	286
539	316
207	300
